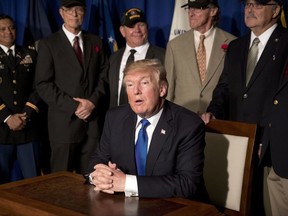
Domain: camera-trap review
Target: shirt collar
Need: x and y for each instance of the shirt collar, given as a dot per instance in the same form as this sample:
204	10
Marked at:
70	35
5	49
153	119
139	49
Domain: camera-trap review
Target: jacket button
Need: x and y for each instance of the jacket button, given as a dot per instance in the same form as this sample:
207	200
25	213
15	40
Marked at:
276	102
270	125
14	92
14	81
245	96
15	102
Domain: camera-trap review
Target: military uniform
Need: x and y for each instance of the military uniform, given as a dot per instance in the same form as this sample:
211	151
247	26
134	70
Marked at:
17	95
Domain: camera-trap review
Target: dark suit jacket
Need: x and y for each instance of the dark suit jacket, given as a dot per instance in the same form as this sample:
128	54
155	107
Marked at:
176	154
60	77
115	62
275	142
18	95
232	99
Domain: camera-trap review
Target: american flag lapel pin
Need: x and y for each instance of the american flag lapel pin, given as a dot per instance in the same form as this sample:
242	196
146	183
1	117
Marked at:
163	131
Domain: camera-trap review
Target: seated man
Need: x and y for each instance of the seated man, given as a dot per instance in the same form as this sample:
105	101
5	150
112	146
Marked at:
173	141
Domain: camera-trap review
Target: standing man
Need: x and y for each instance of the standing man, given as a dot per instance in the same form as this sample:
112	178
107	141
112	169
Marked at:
19	105
134	29
170	164
71	78
275	147
194	60
252	70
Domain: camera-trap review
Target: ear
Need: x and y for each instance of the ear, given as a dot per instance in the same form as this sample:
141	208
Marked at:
122	31
277	11
213	11
163	89
61	12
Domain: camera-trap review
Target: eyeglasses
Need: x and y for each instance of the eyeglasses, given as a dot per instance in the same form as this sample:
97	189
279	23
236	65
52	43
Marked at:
257	5
70	11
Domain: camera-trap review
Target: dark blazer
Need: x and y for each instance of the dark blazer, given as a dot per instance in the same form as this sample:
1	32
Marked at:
60	77
115	62
275	147
176	154
18	95
232	99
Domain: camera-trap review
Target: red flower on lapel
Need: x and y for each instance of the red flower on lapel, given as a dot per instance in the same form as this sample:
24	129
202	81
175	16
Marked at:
97	49
224	47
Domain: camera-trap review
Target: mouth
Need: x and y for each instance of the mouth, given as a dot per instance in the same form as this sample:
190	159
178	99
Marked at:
138	102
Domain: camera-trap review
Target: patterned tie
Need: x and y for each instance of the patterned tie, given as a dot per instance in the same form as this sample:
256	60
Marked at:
11	56
201	58
123	95
252	59
141	148
78	50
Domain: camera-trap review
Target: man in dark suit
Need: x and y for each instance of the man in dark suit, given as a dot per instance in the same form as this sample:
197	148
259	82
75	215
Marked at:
71	77
238	97
175	152
19	105
134	29
275	147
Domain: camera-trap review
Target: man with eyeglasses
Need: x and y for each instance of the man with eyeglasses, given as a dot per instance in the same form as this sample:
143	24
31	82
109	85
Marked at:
193	74
252	71
71	78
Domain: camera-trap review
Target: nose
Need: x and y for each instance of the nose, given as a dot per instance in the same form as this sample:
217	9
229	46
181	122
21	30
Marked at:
136	90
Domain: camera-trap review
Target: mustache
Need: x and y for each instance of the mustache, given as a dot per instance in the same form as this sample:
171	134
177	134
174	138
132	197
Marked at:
251	15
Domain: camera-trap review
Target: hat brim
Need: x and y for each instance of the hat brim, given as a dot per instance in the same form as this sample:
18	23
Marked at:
131	23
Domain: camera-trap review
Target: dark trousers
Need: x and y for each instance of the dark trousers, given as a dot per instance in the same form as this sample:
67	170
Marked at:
26	155
72	156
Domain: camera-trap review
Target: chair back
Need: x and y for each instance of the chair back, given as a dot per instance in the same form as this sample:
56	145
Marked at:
228	168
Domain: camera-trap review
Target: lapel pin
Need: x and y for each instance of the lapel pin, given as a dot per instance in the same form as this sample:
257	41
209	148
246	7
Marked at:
163	131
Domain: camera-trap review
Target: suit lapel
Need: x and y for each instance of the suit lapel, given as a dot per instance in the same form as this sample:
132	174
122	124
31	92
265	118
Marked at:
129	138
216	57
116	70
270	47
161	133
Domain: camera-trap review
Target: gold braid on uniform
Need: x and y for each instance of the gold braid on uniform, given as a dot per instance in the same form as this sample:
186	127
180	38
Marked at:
2	106
32	106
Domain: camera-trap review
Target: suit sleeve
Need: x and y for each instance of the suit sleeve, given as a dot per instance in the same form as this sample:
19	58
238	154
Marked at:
101	92
187	178
220	99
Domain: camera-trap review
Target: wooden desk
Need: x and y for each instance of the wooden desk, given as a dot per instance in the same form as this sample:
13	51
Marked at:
65	193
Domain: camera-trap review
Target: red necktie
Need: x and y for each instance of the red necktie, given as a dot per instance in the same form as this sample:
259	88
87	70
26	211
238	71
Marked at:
78	50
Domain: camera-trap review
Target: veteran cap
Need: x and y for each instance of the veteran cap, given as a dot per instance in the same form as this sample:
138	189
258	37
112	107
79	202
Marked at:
72	3
132	16
200	3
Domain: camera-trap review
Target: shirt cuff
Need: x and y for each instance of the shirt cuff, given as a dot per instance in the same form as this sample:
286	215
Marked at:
131	186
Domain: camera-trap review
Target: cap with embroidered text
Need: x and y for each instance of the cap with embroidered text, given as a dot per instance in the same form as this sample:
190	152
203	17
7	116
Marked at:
200	3
133	16
72	3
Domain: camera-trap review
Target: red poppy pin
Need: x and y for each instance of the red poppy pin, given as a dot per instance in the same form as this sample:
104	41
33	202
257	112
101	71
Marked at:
224	47
97	49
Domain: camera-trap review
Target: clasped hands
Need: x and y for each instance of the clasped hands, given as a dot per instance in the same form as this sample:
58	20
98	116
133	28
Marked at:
84	108
108	178
17	122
